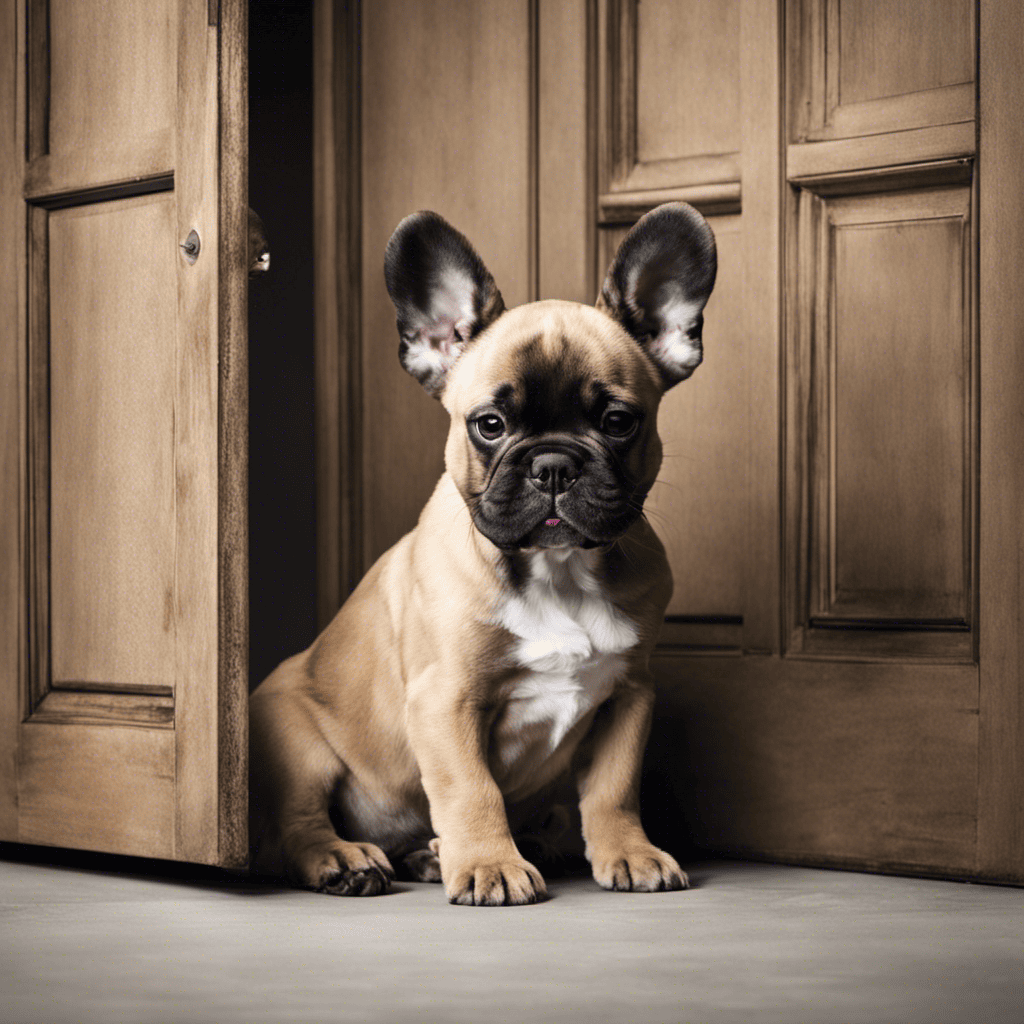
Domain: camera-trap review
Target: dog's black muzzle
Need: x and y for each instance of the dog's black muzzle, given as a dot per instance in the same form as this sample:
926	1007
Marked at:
554	491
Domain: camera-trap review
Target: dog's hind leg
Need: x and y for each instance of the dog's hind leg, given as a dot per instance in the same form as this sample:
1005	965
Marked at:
293	772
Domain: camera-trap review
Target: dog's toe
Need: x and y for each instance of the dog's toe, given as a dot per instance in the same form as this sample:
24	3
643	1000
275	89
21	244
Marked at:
641	870
342	868
368	882
497	885
422	866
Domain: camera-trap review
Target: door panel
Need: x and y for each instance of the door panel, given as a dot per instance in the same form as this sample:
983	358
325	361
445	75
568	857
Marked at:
861	68
71	794
897	546
123	707
112	74
888	50
112	510
825	762
694	55
884	364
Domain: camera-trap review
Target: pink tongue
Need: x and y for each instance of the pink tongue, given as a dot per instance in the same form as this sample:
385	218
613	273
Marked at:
552	522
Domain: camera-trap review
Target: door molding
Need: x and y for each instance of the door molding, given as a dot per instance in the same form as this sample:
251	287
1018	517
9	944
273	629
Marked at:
1001	557
337	246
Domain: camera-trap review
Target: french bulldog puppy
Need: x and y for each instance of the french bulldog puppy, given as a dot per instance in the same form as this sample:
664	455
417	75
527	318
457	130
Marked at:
505	641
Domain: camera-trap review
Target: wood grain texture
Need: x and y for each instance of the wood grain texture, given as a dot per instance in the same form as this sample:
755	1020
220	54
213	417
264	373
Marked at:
113	72
761	125
881	532
232	684
1001	616
144	357
53	174
898	540
712	199
73	707
443	131
720	533
36	454
916	145
687	78
666	122
866	180
845	84
328	241
111	370
566	141
889	49
337	239
865	766
12	416
97	787
699	505
197	460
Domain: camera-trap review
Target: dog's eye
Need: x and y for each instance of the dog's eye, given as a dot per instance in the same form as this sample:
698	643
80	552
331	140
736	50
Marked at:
618	423
490	426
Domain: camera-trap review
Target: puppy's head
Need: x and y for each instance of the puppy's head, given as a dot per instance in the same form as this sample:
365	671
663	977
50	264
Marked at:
554	440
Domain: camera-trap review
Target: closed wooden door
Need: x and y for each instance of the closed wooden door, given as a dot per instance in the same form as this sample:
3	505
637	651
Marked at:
839	677
122	661
840	666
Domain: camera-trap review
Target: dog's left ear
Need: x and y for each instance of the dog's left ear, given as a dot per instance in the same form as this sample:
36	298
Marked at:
443	294
658	284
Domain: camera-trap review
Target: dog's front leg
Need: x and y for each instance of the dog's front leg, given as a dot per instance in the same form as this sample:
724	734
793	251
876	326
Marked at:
480	864
620	854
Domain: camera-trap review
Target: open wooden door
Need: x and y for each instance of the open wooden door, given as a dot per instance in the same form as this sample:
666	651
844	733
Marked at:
123	427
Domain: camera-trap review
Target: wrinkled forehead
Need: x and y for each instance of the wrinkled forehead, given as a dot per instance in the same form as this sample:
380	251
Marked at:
552	355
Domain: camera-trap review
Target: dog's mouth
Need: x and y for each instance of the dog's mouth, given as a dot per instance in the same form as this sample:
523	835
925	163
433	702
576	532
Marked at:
551	529
555	532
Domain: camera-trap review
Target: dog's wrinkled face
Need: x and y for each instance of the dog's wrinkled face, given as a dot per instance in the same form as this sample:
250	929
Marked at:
553	440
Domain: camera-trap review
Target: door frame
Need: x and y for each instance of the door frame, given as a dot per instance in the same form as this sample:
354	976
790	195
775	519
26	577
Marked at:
1000	851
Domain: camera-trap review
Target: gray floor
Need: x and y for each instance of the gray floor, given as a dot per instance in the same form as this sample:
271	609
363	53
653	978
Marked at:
750	942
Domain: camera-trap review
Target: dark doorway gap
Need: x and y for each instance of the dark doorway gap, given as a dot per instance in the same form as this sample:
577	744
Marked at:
282	485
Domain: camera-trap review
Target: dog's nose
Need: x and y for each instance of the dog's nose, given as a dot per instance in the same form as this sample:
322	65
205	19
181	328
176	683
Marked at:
553	472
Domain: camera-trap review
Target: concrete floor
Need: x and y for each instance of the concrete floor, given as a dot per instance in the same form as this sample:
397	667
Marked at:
750	942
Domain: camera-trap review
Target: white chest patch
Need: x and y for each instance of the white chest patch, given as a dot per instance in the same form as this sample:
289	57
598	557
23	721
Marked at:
571	641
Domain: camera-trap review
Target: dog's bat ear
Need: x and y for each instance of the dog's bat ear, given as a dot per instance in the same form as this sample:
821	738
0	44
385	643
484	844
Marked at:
443	294
658	284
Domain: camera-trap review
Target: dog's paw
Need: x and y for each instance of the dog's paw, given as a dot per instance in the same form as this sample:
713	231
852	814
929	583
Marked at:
500	883
343	869
638	869
422	866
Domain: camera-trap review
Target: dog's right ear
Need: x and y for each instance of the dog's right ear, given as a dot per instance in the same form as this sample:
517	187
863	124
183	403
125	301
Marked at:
443	294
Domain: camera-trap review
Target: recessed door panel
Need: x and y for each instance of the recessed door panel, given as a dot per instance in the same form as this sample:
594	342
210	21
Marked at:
899	421
113	336
113	71
888	49
687	78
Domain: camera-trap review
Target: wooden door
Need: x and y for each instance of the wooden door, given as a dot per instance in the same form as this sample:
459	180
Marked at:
123	427
857	699
840	667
